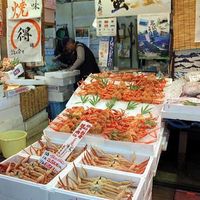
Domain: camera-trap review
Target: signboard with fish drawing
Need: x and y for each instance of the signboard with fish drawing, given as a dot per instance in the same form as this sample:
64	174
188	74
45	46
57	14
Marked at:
24	9
115	8
153	36
24	40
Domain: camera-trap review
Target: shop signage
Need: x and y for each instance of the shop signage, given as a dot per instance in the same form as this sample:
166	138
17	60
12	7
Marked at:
153	36
115	8
24	40
57	161
197	24
1	19
24	9
107	27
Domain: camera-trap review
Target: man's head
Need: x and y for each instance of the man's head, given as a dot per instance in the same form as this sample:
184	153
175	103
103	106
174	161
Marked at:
70	45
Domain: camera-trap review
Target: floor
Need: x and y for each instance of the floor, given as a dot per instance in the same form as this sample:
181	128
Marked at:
163	193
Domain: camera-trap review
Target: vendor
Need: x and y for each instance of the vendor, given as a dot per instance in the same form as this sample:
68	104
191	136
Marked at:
85	60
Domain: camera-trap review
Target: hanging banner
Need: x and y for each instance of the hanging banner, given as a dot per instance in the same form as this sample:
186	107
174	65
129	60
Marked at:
115	8
153	36
197	24
24	9
106	51
107	27
24	40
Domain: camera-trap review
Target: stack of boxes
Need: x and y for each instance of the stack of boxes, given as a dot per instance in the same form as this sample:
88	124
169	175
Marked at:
60	89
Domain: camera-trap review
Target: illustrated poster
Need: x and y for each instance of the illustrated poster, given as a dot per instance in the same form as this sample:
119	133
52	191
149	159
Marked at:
24	9
107	27
24	40
116	8
153	36
82	36
197	23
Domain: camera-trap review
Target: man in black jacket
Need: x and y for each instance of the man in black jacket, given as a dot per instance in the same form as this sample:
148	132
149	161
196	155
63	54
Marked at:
85	60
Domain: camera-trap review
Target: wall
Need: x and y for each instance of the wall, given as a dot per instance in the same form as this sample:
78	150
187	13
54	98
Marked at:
82	14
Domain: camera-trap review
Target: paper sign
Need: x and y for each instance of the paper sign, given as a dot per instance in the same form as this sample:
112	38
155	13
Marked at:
153	36
74	139
197	23
50	160
24	9
24	40
116	8
107	27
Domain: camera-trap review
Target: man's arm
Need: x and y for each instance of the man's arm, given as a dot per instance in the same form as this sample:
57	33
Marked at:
80	58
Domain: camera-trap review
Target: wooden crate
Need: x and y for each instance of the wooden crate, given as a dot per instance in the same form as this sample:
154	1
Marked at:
33	101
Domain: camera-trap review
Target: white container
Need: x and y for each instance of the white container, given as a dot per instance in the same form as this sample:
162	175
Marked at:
9	102
62	74
60	194
27	82
18	189
35	120
59	96
1	91
60	81
54	88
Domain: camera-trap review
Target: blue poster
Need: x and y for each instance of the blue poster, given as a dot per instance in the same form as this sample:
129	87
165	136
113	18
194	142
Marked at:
153	36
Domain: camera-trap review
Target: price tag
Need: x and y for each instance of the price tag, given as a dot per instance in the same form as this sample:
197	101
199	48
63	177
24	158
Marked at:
50	160
57	161
74	139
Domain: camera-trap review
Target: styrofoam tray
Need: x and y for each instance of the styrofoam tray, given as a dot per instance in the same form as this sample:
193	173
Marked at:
60	194
19	189
9	102
53	88
26	82
35	120
62	74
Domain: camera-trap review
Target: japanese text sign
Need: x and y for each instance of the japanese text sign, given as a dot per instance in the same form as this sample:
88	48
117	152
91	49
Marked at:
24	40
50	160
57	161
115	8
74	139
1	19
24	9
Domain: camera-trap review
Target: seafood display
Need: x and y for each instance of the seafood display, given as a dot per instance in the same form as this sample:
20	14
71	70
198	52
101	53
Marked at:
97	157
48	146
143	89
28	170
97	186
111	124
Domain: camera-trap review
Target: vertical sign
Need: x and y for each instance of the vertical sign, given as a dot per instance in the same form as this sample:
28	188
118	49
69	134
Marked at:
24	40
23	9
197	24
1	19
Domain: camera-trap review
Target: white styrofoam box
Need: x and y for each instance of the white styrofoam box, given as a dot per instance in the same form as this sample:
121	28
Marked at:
60	81
1	91
11	124
60	194
53	88
126	153
10	113
18	189
62	74
59	96
16	91
35	120
38	129
26	82
149	189
8	102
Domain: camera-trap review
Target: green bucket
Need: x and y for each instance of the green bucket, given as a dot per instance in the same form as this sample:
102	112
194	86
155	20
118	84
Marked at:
11	142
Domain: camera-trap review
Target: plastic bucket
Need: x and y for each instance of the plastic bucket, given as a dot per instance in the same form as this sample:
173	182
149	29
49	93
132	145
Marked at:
12	142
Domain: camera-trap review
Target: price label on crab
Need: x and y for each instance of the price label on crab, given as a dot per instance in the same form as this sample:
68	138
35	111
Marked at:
57	161
52	161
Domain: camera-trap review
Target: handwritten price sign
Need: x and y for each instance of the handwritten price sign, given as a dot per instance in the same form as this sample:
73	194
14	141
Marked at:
57	161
